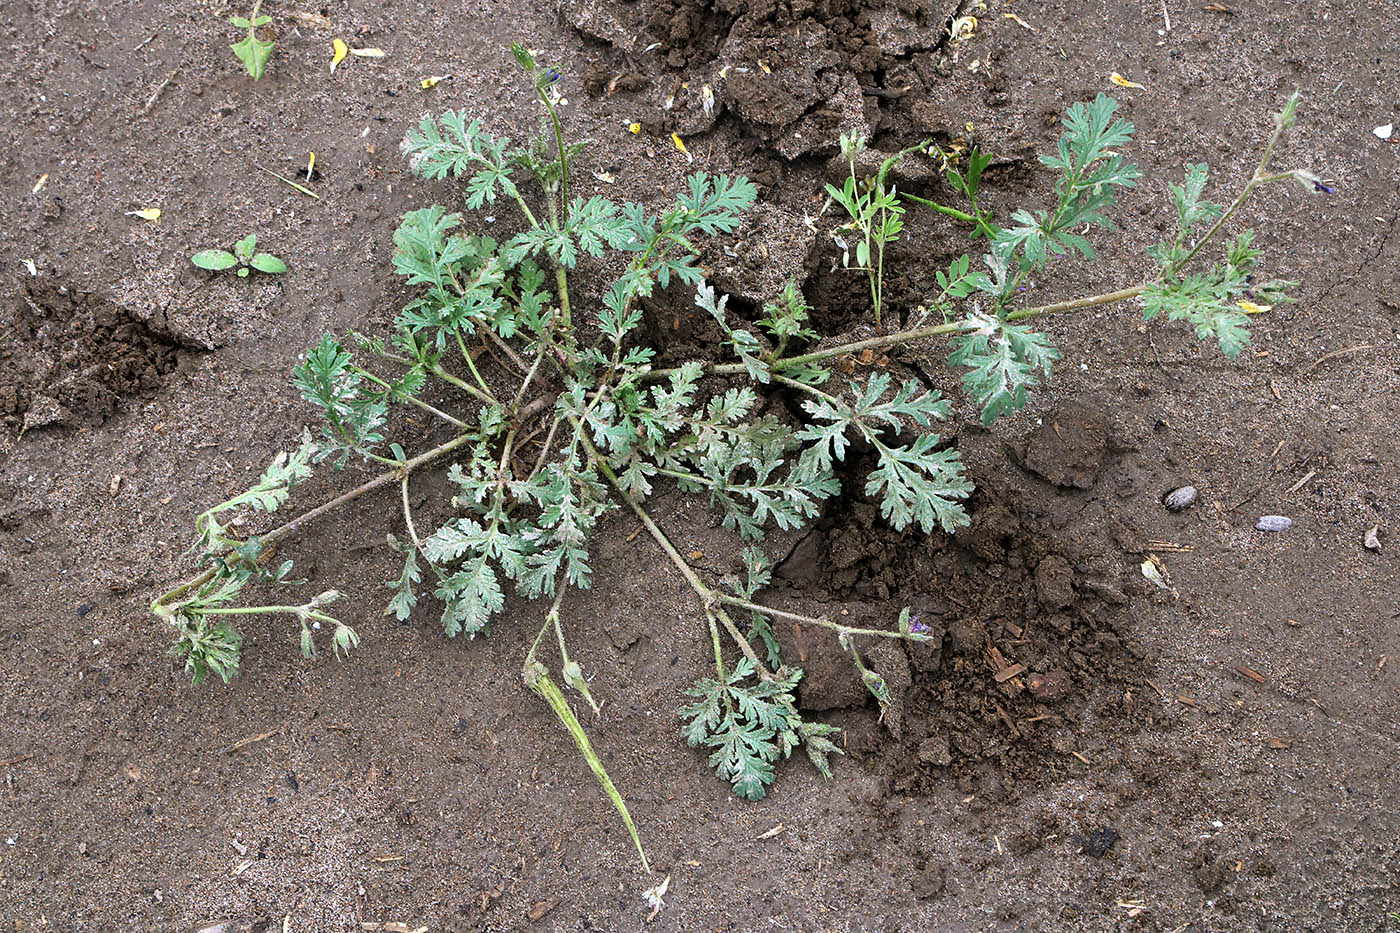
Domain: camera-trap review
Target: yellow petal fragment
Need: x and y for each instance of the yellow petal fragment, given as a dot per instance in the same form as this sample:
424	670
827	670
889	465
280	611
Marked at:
963	28
368	53
432	82
39	185
1121	81
680	144
338	53
1250	307
146	213
634	129
1018	21
766	70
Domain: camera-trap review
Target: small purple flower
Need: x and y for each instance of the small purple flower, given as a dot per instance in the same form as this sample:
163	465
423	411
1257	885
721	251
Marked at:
553	74
1311	182
917	627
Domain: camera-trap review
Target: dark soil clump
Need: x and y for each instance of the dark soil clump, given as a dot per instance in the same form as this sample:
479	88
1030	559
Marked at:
1020	667
797	72
69	357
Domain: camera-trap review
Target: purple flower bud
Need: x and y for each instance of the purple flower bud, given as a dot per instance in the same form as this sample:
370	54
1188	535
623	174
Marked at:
917	627
1325	189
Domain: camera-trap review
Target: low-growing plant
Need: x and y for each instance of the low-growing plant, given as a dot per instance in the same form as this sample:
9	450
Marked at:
245	257
252	51
564	413
875	210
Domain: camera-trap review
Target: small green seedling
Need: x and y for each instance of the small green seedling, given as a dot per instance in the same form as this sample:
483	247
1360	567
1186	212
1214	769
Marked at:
245	256
876	215
252	51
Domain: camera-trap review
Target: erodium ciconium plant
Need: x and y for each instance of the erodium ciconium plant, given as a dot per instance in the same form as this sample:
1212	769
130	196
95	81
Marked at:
561	413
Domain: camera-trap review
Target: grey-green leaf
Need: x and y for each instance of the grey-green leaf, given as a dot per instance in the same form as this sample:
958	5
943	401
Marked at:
253	53
266	262
215	260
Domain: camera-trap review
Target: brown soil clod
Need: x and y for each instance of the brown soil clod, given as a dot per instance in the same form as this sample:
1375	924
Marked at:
69	357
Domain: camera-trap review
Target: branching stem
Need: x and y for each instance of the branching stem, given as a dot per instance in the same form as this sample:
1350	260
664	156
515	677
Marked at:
161	606
707	595
821	621
909	336
411	399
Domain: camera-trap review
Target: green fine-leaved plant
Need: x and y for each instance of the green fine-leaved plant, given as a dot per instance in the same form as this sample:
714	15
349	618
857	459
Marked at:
561	412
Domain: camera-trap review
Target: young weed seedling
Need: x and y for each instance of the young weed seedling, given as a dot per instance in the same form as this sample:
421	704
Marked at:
245	256
875	212
563	414
252	51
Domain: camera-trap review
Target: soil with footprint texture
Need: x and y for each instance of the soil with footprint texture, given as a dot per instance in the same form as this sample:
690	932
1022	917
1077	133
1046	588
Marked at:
1127	717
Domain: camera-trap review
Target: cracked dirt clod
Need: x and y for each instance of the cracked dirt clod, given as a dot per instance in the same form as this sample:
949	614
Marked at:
1054	583
1068	448
794	69
69	357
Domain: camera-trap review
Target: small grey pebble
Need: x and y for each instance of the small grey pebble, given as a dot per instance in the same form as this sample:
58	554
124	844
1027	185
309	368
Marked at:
1273	523
1372	540
1179	499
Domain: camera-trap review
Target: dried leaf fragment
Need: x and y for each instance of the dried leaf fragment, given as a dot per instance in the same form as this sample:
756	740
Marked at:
538	909
1275	742
146	213
1121	81
1150	571
367	53
313	20
775	831
1018	21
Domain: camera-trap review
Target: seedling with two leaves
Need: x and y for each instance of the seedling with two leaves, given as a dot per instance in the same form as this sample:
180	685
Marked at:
561	413
245	257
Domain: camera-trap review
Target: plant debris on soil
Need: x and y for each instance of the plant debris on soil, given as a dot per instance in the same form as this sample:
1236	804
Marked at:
1083	746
